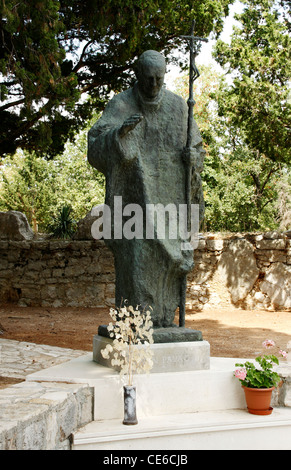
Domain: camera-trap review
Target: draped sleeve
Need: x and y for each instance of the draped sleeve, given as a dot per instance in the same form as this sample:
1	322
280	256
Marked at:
104	145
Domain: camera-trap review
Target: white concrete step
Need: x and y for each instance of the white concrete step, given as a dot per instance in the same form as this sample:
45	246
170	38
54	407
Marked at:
208	430
157	393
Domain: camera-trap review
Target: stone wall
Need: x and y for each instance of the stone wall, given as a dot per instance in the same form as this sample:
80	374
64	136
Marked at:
43	415
250	271
56	273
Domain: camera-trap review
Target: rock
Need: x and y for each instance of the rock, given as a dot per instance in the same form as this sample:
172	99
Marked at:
201	273
237	268
14	226
258	237
277	285
259	297
83	231
215	245
271	244
273	235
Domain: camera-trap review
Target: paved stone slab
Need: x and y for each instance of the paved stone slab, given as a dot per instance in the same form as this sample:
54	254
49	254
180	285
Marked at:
39	415
42	416
19	359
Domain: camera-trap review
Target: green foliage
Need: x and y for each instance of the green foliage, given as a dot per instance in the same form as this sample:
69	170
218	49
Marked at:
242	194
263	377
29	185
250	189
40	188
242	188
53	53
283	202
63	225
259	59
32	84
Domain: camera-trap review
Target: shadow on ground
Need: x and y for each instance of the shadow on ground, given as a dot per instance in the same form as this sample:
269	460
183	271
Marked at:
230	332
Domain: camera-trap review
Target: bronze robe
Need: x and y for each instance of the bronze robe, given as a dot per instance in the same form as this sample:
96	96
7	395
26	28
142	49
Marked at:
146	167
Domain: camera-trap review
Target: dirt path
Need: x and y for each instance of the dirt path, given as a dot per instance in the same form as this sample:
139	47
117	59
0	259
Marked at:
230	332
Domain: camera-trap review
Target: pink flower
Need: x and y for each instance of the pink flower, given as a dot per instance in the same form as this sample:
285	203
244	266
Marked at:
240	373
283	353
269	343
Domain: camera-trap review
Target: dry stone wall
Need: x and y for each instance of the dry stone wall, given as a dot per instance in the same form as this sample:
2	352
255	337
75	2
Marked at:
56	273
250	271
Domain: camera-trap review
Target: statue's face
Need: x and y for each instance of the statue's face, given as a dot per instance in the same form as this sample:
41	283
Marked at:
151	79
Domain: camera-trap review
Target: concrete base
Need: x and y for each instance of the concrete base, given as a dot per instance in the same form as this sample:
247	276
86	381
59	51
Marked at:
157	393
210	430
173	334
167	357
202	409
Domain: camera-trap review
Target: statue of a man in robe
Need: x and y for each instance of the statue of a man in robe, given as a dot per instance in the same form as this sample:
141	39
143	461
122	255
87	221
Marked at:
139	145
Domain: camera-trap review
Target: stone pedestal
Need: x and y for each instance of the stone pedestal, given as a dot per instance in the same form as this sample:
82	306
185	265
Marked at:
167	357
173	334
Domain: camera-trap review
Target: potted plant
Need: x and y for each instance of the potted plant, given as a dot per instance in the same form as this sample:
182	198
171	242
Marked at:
129	351
259	381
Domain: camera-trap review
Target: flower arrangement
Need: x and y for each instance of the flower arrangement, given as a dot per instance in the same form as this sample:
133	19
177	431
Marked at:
261	377
132	334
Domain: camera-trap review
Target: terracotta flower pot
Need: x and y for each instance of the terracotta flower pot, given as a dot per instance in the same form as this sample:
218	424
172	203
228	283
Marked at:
258	400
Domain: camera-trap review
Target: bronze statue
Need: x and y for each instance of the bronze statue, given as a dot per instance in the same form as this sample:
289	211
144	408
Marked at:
139	143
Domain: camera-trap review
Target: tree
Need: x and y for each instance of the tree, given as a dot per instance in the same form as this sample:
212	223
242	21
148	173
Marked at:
243	189
243	193
28	185
60	60
41	189
258	57
283	202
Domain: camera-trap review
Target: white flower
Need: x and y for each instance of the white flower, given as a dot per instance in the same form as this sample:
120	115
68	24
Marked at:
133	334
104	353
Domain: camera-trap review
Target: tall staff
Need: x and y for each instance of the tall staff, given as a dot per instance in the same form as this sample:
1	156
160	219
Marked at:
194	48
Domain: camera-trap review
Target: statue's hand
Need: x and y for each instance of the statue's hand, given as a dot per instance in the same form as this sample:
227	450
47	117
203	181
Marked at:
129	124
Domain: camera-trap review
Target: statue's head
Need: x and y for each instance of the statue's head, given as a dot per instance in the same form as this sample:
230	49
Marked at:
150	72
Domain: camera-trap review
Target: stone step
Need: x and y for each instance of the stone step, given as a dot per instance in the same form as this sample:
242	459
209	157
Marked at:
208	430
160	393
157	393
202	409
